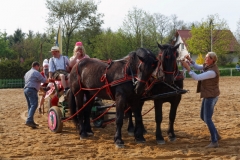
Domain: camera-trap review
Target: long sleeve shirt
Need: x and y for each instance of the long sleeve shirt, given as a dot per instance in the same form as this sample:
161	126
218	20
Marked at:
33	79
202	76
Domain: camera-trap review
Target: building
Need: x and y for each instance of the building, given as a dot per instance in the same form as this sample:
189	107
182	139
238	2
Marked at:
181	36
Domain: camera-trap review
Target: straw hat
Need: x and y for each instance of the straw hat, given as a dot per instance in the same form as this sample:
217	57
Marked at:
54	48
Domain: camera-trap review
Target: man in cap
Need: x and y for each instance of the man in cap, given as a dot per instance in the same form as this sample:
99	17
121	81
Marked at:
59	67
33	80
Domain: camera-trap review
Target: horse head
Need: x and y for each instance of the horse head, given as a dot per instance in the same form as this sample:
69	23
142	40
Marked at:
168	62
146	64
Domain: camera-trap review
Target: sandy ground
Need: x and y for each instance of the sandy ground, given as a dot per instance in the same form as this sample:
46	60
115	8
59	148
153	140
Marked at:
18	141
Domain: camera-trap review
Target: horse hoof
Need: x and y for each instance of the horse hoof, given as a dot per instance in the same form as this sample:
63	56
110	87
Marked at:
131	134
140	140
119	145
90	133
83	136
160	142
172	139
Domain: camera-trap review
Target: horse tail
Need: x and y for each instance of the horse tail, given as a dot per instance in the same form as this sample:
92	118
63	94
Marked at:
72	106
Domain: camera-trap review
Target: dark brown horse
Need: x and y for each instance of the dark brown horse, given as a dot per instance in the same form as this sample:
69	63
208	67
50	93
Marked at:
120	80
170	92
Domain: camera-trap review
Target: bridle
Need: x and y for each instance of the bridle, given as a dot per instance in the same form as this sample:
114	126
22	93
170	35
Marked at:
161	66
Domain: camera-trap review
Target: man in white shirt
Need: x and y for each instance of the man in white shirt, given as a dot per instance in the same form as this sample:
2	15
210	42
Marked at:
59	67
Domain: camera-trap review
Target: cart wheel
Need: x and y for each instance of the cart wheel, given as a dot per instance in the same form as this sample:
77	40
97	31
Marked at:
99	122
55	123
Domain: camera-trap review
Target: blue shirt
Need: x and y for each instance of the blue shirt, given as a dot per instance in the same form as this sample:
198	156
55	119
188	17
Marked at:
33	79
202	76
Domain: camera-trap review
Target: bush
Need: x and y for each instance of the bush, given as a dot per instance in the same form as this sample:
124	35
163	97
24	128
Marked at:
13	69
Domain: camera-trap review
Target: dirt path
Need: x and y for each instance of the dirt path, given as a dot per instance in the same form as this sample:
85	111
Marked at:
18	141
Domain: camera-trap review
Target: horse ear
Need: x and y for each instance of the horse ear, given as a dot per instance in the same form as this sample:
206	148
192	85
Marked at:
141	58
160	46
176	47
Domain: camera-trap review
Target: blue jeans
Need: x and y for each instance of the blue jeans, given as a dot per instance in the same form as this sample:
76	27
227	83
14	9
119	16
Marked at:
32	101
207	109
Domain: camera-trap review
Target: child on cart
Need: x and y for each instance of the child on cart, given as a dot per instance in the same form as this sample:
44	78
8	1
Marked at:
44	86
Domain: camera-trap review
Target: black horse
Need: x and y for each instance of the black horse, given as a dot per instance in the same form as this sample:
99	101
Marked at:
168	92
119	80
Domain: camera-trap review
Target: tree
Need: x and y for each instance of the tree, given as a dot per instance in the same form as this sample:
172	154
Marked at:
110	45
211	35
237	33
200	59
5	51
72	15
16	42
133	26
162	25
174	25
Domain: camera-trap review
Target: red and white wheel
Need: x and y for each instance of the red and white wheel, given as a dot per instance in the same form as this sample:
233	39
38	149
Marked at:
55	123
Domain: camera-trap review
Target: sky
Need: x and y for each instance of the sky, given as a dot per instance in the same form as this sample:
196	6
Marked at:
32	14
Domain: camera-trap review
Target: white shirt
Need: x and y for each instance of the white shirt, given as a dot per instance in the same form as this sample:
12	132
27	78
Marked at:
59	62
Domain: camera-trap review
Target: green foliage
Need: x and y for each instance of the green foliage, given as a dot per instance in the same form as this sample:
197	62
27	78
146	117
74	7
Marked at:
212	28
109	45
224	59
72	15
5	51
13	69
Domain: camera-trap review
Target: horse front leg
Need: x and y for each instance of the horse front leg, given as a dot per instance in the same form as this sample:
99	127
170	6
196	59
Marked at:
172	116
120	105
158	120
139	127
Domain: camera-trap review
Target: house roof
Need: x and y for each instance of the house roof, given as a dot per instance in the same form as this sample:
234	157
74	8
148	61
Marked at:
186	34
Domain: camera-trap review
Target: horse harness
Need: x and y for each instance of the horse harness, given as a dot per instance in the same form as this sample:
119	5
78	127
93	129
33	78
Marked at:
107	85
178	75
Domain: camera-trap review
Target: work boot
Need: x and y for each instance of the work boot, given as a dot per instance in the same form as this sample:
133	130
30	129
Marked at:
212	145
30	124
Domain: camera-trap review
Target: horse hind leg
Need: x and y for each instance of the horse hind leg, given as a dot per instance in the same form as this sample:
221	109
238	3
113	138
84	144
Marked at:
80	116
87	115
130	128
